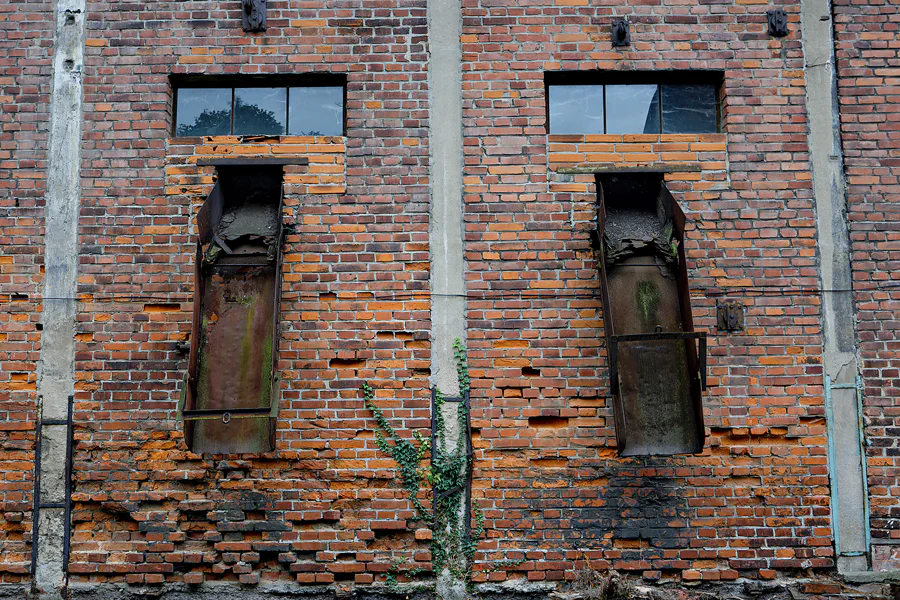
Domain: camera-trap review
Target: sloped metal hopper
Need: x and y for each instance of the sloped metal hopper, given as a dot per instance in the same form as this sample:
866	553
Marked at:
231	389
657	376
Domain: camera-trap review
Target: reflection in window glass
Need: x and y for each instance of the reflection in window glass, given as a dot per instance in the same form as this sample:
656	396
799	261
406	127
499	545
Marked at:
260	111
316	111
203	111
689	109
576	109
632	109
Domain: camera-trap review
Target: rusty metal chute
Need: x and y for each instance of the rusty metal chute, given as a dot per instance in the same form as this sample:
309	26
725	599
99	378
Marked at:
231	391
656	373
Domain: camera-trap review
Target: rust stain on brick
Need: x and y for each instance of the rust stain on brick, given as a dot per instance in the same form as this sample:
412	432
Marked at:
548	422
160	308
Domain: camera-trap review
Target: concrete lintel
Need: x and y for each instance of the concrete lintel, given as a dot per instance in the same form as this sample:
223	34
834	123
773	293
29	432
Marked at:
620	168
253	162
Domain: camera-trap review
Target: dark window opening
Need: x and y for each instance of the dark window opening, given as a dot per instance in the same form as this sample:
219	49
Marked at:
656	372
279	106
231	393
635	103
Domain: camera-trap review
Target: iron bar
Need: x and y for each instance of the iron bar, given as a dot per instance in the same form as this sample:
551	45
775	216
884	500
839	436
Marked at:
832	461
67	526
36	499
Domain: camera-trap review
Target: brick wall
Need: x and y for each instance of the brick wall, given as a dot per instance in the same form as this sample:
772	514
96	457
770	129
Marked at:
755	503
324	506
321	507
26	44
867	60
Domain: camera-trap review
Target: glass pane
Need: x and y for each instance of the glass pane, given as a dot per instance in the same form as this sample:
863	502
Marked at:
689	108
576	109
260	111
632	109
317	111
203	111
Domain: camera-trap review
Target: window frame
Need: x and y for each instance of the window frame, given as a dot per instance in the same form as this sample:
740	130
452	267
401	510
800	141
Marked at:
657	78
232	82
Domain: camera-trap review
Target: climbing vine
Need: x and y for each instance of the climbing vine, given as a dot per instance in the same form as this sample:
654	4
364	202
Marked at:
447	474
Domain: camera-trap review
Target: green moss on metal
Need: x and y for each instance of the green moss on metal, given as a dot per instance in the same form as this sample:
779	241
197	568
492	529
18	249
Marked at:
266	370
247	349
647	296
203	365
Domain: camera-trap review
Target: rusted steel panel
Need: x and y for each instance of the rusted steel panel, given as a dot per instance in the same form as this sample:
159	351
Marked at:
236	353
231	379
210	214
644	288
684	292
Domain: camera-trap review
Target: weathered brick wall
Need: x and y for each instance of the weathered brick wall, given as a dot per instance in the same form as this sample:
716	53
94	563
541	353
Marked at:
322	506
868	57
755	503
26	44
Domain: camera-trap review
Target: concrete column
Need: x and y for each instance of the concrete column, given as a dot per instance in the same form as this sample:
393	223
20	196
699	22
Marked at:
446	225
56	374
840	352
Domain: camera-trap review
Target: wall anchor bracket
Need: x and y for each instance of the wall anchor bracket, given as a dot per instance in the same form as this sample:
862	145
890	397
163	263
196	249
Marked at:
729	315
621	36
778	23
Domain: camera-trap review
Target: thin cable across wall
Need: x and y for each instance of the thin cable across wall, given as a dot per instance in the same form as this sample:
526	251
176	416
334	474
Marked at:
344	295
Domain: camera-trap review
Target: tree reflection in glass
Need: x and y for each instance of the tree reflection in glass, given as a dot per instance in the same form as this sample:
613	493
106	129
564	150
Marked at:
260	111
203	111
689	108
316	111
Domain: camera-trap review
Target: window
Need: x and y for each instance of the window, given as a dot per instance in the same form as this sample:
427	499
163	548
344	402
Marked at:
632	106
656	360
258	109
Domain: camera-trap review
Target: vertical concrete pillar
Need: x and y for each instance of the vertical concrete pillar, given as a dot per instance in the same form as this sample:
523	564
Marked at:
446	226
840	352
56	378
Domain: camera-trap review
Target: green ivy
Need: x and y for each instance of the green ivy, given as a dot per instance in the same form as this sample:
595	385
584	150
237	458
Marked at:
447	476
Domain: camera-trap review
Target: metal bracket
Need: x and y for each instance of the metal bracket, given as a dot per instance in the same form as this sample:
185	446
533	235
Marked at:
227	414
435	451
621	36
778	24
729	315
253	15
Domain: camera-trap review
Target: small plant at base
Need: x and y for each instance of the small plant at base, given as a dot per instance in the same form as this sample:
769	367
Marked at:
390	578
591	584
